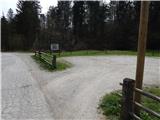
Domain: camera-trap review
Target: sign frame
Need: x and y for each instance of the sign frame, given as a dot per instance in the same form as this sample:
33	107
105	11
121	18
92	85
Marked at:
54	47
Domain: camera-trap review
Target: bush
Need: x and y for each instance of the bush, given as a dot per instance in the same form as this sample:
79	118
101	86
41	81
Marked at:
110	105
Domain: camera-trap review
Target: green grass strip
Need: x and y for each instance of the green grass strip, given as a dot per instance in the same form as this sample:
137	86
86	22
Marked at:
108	52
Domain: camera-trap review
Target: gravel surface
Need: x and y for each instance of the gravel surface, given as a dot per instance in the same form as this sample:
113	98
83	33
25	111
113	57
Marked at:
75	92
22	98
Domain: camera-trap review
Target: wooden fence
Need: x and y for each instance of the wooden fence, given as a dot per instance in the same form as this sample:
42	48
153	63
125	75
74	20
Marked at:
49	59
128	103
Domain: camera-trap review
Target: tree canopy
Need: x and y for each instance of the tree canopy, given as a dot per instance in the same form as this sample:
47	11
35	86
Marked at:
78	25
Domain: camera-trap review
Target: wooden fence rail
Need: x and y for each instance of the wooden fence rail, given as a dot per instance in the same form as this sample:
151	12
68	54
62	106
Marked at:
128	103
49	59
147	94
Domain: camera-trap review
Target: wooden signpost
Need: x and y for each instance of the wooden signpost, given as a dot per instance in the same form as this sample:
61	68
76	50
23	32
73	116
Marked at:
143	28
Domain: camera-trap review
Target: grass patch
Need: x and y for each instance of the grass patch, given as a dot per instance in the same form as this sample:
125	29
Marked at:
152	104
61	65
111	104
108	52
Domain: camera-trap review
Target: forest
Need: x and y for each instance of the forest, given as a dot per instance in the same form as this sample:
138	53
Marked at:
78	25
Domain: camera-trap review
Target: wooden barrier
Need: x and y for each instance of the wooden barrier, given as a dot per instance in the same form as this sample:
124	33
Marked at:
128	102
51	61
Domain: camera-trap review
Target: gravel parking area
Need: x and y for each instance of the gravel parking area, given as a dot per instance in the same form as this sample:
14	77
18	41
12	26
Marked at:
70	94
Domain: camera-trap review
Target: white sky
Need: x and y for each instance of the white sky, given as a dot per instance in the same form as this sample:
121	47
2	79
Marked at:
6	4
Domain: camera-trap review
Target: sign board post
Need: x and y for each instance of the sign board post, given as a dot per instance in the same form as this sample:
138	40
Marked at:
142	38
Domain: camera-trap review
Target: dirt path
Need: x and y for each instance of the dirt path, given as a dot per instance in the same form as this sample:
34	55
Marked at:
75	92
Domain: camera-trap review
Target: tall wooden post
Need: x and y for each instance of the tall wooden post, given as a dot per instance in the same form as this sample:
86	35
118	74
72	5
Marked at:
142	38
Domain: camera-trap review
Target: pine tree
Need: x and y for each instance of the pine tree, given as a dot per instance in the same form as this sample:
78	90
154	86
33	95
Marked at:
28	22
4	34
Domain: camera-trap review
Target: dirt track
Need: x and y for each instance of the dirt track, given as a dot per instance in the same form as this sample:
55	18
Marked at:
75	92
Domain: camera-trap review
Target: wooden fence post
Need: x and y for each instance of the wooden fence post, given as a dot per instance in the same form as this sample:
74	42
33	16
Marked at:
35	53
39	53
127	99
54	61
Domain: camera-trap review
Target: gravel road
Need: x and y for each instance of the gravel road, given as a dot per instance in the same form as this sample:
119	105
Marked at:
75	92
22	98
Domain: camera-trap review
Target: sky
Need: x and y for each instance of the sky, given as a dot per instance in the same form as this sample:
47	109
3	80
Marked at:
6	4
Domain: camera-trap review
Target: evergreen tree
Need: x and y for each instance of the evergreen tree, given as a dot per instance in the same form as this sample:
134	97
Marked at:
78	21
10	15
154	29
4	33
28	22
